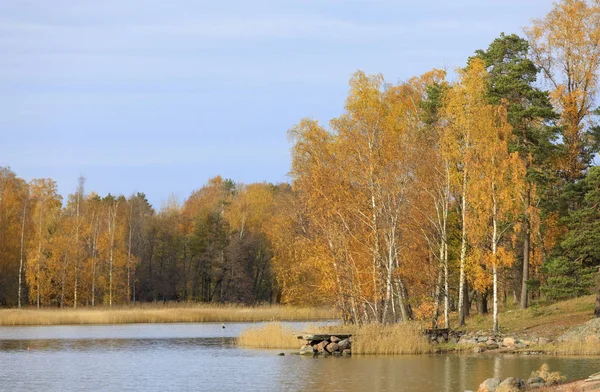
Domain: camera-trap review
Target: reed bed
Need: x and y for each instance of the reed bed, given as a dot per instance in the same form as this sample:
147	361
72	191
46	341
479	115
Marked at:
403	338
160	313
271	335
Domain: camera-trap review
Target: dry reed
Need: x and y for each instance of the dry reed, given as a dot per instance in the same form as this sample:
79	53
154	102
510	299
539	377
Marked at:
272	335
160	313
403	338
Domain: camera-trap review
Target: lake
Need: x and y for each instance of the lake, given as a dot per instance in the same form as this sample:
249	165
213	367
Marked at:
203	357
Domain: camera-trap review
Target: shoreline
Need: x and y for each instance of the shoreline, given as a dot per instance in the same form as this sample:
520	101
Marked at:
154	314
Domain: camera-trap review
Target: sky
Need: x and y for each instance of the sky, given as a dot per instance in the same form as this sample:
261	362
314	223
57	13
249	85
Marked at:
159	96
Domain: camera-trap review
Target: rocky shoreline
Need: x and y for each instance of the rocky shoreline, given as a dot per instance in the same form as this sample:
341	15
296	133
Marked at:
541	380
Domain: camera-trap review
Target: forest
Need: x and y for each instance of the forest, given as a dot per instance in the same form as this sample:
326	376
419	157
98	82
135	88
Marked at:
447	192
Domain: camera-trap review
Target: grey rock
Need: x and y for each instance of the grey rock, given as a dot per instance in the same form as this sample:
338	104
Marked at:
482	339
478	350
346	353
344	344
511	384
440	339
489	385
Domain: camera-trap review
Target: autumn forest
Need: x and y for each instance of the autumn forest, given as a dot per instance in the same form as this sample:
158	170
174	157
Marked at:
445	194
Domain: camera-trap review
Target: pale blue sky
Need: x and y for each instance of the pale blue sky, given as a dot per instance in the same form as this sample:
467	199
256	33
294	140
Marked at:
158	96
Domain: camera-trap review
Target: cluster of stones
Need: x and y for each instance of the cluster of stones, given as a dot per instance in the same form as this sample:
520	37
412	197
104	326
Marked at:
483	342
443	335
337	345
512	384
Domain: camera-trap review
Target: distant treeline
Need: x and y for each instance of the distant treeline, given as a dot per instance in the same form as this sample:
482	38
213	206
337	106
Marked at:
117	250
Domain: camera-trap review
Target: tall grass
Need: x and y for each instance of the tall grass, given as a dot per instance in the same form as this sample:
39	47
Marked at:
403	338
272	335
160	313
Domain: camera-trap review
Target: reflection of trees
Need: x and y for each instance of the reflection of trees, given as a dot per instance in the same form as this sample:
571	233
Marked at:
178	344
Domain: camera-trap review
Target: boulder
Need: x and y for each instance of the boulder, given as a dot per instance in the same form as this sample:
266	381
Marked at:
344	344
511	384
478	349
334	339
331	347
452	340
307	350
508	342
321	346
489	385
336	354
586	332
482	339
346	353
492	346
440	339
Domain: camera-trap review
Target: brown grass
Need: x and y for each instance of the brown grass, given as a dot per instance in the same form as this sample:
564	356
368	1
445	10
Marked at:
160	313
272	335
404	338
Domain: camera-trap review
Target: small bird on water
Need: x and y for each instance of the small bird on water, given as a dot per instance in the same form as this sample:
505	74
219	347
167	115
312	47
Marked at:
223	325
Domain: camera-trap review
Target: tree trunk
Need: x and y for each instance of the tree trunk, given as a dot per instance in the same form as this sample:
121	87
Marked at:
526	251
482	307
463	253
21	255
597	306
494	261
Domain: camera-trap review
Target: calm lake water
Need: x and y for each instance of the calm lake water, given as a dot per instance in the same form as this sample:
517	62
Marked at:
203	357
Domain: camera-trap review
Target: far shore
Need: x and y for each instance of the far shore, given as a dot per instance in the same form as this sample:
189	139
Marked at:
160	313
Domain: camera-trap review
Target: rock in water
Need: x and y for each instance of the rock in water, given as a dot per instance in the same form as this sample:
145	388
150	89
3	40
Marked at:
307	350
489	385
344	344
511	384
321	346
332	347
346	353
